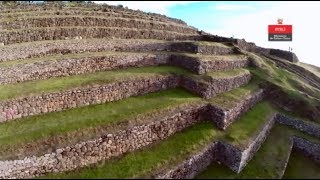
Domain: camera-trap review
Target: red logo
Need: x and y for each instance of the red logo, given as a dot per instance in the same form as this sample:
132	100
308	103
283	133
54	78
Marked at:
280	32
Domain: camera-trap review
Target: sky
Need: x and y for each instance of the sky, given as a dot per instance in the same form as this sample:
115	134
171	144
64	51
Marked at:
246	19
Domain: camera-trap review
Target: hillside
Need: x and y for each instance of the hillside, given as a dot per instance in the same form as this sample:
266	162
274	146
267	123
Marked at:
99	91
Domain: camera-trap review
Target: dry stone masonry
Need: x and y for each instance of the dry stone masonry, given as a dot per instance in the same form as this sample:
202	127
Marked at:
92	21
224	117
93	151
60	33
78	97
72	46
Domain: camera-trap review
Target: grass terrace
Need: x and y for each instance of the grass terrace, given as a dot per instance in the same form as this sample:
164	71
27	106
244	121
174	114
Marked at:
228	74
301	167
249	125
63	83
170	152
229	99
141	163
80	123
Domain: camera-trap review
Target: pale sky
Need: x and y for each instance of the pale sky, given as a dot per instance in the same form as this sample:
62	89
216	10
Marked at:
248	20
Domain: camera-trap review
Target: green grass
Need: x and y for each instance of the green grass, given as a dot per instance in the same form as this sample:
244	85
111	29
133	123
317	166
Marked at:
249	124
167	153
228	74
228	99
301	167
232	57
291	83
47	125
268	162
63	83
140	163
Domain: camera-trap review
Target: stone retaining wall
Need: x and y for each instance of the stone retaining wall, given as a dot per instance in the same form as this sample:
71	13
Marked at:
59	33
57	101
88	13
209	88
56	21
43	48
36	8
93	63
96	94
199	65
74	66
191	167
307	148
203	49
224	117
234	157
93	151
252	47
299	125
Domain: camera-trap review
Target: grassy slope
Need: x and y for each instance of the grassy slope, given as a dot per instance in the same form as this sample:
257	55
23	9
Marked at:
291	83
63	83
268	162
314	69
42	126
300	167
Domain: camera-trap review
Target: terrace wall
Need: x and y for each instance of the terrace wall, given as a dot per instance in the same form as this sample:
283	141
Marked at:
93	151
224	117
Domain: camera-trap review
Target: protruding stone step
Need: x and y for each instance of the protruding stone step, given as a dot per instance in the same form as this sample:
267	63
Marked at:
201	64
227	107
210	84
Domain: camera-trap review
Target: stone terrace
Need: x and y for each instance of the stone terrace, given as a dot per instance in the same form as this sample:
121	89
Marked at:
85	85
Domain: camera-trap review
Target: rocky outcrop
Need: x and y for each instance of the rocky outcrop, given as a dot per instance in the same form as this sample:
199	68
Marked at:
110	145
224	117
